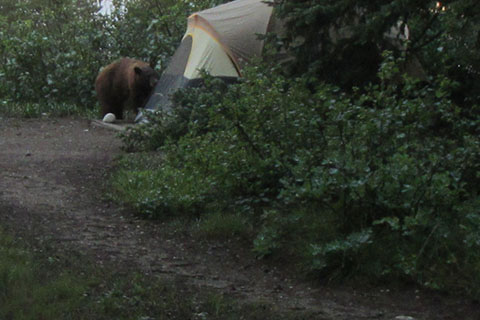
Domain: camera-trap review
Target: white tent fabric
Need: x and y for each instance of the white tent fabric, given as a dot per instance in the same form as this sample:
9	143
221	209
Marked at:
207	54
237	25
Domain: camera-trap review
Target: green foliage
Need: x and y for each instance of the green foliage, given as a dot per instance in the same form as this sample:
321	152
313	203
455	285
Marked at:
51	52
452	51
380	182
191	112
161	24
341	41
151	194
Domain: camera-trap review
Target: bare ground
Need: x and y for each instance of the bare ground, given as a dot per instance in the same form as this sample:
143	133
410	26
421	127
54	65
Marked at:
52	172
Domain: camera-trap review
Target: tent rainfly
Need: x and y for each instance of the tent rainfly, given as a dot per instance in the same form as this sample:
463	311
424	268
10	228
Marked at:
219	41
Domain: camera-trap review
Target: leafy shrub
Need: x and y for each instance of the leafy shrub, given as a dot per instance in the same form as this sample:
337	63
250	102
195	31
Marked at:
341	41
381	182
50	52
191	112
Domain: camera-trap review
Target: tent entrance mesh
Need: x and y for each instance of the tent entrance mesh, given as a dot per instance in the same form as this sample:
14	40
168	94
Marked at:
172	78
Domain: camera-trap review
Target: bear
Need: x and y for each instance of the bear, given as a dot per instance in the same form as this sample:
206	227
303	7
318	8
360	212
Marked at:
125	82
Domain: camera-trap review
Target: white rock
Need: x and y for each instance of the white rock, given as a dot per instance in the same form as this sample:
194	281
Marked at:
109	118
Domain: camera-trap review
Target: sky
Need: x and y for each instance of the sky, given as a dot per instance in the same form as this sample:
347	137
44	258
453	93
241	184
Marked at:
106	6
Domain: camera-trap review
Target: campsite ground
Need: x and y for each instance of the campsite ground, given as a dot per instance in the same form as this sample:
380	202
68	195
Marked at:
52	182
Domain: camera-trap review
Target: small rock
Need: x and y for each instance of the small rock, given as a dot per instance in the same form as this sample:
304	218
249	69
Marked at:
404	318
109	118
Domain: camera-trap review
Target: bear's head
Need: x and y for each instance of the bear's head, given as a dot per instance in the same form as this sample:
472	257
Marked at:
145	80
146	77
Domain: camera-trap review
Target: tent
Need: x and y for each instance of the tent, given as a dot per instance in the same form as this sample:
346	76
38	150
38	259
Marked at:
220	41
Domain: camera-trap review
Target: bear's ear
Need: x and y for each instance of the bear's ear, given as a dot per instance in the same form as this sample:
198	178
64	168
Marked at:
138	70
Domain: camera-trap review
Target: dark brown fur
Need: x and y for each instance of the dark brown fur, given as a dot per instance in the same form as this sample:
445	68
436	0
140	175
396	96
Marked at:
125	82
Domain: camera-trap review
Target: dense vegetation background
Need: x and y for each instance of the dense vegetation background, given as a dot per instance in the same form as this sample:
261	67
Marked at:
51	51
342	158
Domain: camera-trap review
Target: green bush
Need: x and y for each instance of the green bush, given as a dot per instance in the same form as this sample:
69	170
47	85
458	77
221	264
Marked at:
341	41
51	52
381	182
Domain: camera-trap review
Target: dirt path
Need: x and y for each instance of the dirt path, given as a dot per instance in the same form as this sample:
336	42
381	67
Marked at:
51	173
